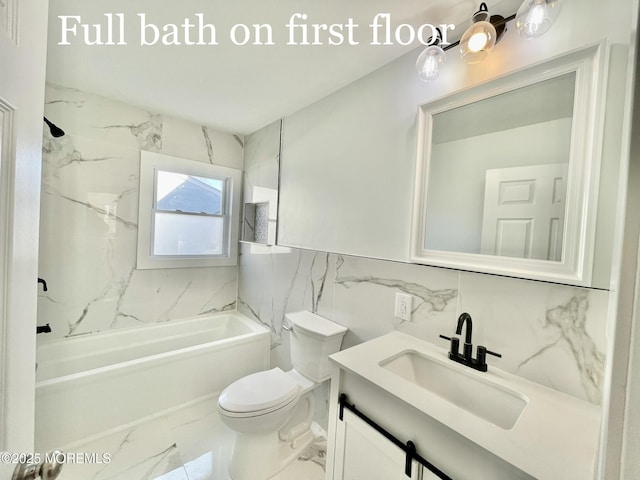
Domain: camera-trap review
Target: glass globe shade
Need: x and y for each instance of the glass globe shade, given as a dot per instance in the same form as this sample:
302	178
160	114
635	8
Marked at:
477	42
535	17
428	63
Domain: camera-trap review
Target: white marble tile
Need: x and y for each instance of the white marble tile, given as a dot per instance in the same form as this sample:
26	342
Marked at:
196	142
205	467
145	451
87	231
365	298
179	473
281	353
205	442
301	470
273	284
189	444
89	217
170	294
548	333
260	179
261	157
84	114
551	334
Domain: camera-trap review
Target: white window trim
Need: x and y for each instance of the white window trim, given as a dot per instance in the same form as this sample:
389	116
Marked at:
150	163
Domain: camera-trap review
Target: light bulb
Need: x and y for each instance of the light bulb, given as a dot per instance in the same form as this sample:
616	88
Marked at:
535	17
428	63
477	41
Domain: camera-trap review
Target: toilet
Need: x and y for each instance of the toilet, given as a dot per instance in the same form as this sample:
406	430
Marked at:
271	411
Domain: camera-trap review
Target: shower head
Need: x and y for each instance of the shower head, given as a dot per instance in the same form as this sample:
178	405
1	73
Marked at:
54	129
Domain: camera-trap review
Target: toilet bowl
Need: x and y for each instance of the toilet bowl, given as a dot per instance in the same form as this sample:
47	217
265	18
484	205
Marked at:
272	411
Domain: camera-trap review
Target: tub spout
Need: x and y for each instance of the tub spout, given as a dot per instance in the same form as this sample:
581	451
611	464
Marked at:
44	329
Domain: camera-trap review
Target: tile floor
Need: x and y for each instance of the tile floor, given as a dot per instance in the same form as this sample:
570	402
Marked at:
188	444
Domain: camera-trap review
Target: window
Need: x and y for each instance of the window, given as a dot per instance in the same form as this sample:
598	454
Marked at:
187	214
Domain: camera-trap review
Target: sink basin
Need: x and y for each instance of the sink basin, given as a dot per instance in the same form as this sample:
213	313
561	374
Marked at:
467	390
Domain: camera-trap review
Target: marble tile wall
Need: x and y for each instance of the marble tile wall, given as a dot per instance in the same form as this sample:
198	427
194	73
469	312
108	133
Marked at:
260	184
548	333
89	216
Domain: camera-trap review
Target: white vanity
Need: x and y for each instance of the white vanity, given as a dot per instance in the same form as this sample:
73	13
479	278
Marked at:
465	423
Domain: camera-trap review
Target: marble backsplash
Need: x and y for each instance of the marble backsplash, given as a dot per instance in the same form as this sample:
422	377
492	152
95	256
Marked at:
89	215
548	333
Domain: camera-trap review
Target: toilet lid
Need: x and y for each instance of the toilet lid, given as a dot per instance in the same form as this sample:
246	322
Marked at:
315	325
259	391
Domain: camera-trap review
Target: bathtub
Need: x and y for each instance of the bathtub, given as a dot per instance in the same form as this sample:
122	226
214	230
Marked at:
92	384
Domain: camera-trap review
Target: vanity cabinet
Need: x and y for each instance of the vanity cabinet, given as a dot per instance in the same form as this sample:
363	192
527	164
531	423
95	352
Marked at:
462	424
356	451
362	453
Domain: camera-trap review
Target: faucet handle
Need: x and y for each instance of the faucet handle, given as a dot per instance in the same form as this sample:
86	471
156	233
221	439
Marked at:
499	355
481	357
455	344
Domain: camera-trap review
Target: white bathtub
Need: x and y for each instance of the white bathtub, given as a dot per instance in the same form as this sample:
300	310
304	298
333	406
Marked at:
92	384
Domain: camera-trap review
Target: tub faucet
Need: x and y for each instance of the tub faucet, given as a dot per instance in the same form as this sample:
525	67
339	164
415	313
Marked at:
44	283
44	329
466	357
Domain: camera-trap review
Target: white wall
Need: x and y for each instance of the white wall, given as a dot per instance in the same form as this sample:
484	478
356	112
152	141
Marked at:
457	191
348	160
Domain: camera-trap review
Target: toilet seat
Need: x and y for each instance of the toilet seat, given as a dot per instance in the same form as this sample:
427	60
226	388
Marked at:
259	393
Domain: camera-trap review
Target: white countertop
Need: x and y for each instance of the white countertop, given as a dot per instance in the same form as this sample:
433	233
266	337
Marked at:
555	437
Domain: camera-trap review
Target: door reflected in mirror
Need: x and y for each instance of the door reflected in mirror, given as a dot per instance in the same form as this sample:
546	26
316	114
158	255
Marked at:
498	173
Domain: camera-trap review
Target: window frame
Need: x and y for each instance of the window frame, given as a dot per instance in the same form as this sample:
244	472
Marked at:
150	164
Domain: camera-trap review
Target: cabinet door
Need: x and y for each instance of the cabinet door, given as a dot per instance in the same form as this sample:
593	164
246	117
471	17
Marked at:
427	475
364	454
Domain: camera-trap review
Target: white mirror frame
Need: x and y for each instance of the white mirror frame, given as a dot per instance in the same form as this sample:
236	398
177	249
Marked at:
575	268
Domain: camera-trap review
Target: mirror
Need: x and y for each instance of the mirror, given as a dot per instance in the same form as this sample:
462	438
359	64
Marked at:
505	175
510	173
260	185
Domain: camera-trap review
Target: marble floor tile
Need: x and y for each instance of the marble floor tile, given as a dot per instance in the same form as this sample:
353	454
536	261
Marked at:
187	444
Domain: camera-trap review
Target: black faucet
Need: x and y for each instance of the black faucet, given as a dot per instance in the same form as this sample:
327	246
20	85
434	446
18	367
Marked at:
466	358
468	346
44	283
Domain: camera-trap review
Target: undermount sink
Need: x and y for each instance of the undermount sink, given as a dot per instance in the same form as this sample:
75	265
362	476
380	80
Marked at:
467	390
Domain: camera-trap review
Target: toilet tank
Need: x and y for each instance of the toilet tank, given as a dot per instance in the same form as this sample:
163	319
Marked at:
313	339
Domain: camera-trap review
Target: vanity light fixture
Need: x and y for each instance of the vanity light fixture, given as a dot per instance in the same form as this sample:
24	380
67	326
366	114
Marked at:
428	63
478	40
535	17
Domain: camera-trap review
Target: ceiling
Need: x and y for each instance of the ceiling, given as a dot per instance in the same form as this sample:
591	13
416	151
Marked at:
234	88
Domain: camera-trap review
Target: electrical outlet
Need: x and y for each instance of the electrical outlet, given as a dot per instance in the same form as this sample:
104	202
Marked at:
403	306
